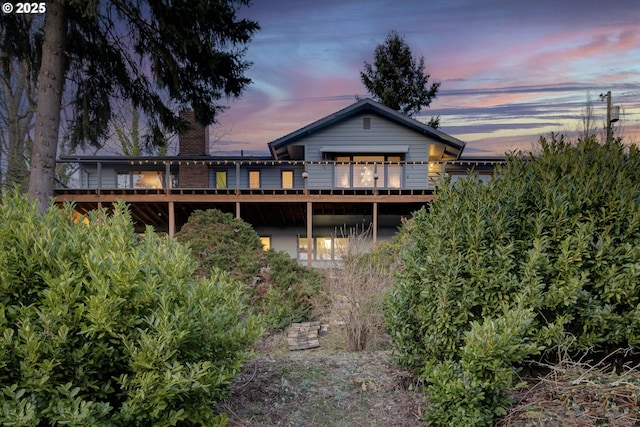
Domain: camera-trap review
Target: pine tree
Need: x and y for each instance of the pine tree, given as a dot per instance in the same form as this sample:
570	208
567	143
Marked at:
398	80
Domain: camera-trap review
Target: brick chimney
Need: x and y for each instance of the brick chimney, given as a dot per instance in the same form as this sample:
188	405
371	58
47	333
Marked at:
193	142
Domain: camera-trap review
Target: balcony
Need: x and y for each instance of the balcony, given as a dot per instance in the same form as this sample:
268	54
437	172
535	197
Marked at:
162	175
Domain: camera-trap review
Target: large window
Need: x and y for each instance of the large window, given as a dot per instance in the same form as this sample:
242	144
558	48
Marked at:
363	171
394	172
343	172
140	179
303	245
364	174
323	248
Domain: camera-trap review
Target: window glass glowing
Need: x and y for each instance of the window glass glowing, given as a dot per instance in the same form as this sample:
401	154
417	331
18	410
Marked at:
266	242
287	179
254	179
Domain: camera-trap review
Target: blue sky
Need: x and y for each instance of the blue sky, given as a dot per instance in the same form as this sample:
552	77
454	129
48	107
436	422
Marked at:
510	71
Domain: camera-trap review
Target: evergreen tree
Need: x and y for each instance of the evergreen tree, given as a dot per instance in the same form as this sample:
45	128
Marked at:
398	80
189	52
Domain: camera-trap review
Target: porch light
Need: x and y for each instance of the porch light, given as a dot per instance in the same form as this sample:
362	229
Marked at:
305	175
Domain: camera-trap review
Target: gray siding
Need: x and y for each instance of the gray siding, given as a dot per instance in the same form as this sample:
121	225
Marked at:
383	133
283	239
271	176
416	176
89	177
320	176
231	177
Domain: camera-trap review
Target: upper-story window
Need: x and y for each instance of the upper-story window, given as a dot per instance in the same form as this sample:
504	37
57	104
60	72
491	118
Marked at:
254	179
366	170
140	179
343	172
394	172
287	179
221	179
365	174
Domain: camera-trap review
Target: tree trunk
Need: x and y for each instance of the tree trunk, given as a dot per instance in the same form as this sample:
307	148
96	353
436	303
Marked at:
19	123
50	86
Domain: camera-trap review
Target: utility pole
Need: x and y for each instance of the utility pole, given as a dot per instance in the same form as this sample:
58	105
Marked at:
610	119
609	115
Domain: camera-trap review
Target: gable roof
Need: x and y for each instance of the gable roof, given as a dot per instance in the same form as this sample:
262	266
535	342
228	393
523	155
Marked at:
279	150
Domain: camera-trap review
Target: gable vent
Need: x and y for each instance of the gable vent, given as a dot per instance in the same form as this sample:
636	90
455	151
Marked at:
366	123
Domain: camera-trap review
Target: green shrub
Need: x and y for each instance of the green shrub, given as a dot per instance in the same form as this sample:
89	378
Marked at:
549	248
281	291
101	327
218	240
286	292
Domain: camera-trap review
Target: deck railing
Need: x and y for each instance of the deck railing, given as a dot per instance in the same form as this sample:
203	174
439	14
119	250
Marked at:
171	174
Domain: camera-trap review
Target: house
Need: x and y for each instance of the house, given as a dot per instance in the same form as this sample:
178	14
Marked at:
364	167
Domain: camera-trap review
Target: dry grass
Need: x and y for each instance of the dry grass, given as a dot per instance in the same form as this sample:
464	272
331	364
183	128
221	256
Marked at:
579	394
322	387
357	286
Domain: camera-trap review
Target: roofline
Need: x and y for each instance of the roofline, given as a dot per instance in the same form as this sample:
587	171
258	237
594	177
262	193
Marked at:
126	159
365	105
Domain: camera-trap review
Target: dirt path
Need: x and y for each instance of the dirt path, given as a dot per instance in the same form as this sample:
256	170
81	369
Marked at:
320	387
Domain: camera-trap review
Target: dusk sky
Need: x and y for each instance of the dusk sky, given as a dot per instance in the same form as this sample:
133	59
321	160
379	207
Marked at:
510	71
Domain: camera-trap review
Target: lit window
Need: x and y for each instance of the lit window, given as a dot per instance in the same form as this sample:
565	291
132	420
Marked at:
124	180
287	179
324	246
394	171
254	179
221	179
364	174
302	247
141	179
342	173
266	242
341	247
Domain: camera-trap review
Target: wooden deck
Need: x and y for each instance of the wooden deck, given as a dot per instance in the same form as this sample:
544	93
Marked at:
212	195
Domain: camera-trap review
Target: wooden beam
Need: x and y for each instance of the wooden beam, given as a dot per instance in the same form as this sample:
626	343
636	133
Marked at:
375	222
309	232
172	220
249	198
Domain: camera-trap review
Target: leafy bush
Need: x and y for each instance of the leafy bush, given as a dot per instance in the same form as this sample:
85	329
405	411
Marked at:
101	327
218	240
280	290
498	271
286	292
